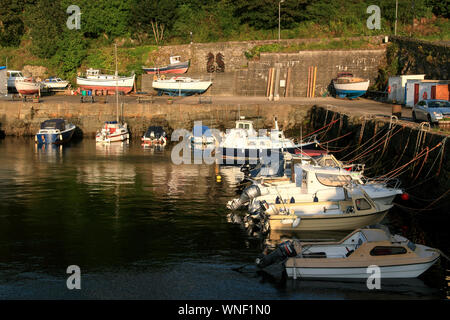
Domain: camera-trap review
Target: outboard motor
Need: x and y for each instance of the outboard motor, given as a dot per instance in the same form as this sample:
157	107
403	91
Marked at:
248	194
282	252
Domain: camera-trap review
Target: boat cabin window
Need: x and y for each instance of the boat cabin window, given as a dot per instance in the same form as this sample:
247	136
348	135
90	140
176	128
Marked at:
387	251
333	180
244	126
362	204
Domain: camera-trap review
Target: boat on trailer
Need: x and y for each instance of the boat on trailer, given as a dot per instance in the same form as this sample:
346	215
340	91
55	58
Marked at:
96	81
175	66
180	86
55	131
396	256
28	86
54	83
348	86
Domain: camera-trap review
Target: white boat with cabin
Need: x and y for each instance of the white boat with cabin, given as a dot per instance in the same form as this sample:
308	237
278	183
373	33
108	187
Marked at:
314	183
394	255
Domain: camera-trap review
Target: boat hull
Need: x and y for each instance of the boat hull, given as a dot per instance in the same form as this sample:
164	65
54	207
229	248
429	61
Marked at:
181	88
326	222
55	138
124	85
351	90
394	271
27	88
113	138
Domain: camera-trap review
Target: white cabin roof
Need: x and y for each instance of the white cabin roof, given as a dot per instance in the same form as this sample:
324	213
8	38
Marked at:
374	235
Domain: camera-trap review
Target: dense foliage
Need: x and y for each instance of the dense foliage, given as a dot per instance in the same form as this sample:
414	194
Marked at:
41	24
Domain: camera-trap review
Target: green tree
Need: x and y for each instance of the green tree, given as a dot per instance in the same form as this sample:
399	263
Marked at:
44	20
11	24
72	50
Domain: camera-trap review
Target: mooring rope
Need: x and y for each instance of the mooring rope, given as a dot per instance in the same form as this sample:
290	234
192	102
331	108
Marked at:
395	172
376	145
359	147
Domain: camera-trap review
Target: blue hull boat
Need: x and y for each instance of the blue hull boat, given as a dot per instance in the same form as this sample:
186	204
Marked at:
55	131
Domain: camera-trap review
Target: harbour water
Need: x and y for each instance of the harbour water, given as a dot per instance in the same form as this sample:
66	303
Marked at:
141	227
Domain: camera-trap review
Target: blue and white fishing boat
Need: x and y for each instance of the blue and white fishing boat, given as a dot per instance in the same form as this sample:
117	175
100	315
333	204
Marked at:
180	86
348	86
243	144
57	131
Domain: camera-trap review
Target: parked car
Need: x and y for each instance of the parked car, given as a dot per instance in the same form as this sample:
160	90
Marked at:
431	110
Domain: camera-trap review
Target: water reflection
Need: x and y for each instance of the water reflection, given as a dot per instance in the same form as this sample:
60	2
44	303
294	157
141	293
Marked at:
138	225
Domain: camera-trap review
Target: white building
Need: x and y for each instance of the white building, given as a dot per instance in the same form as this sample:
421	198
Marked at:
397	87
425	89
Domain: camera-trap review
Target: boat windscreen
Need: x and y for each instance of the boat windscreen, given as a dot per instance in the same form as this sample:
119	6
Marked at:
333	180
53	124
156	131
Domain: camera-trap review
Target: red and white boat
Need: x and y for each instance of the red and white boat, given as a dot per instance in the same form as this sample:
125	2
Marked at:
28	86
96	81
175	66
113	131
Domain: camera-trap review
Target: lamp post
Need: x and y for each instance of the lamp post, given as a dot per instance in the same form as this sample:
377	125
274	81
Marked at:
279	19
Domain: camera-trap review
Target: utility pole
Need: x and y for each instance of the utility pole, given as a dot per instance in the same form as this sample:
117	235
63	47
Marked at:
396	10
279	19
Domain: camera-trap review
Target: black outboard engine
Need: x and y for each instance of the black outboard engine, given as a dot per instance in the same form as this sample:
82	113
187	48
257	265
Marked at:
282	252
249	193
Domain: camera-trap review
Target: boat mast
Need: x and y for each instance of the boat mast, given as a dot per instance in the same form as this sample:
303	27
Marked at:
117	91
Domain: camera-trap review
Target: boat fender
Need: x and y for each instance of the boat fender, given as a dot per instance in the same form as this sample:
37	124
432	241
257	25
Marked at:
277	200
315	198
292	200
283	251
296	222
60	137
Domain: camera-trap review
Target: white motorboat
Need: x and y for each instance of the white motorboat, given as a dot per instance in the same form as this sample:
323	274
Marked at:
112	131
352	257
314	183
96	81
181	86
357	211
55	83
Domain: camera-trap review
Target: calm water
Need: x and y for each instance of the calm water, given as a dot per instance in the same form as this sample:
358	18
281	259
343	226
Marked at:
139	227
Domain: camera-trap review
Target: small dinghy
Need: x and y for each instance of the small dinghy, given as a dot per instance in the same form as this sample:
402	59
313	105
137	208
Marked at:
57	131
155	135
396	256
